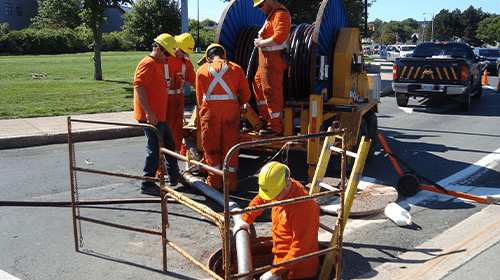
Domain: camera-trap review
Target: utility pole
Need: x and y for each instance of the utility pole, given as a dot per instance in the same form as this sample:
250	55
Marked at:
423	30
184	16
432	28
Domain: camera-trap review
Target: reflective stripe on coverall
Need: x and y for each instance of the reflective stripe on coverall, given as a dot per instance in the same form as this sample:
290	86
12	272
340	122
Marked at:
268	81
295	232
180	72
221	88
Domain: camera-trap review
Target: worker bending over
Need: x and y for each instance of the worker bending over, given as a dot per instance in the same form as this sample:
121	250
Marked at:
268	82
221	88
150	106
294	226
180	70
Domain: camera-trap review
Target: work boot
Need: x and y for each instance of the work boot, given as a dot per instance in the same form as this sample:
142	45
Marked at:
268	132
151	190
174	180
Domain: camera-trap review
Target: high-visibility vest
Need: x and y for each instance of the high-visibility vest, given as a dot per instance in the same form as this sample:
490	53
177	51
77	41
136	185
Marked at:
183	81
218	80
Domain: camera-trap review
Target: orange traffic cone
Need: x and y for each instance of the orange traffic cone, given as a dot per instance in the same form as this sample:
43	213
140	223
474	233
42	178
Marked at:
485	78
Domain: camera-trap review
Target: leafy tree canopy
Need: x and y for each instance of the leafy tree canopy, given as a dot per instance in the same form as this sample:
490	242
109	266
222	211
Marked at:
150	18
488	29
58	14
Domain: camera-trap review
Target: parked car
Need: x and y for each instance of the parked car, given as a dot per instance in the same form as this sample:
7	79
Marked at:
376	49
488	58
406	50
367	50
383	51
498	66
392	53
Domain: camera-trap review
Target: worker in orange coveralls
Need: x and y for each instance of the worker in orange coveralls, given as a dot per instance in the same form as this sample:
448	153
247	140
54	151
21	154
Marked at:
181	71
221	88
295	226
268	82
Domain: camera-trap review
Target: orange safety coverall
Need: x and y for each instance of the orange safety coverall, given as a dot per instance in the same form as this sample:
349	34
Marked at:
180	71
221	88
295	232
268	81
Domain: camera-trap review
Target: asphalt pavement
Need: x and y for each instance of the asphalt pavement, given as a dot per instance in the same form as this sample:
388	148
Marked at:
455	254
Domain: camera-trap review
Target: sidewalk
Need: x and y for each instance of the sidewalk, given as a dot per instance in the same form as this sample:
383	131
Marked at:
18	133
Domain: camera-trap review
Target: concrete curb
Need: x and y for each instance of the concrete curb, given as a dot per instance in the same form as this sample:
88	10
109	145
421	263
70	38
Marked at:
78	136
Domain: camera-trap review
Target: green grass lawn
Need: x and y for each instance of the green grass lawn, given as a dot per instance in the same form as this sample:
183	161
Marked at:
54	85
58	85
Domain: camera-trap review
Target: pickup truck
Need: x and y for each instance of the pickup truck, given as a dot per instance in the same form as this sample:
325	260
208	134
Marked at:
437	70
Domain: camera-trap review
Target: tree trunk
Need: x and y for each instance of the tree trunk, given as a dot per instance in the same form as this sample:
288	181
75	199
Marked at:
97	54
97	30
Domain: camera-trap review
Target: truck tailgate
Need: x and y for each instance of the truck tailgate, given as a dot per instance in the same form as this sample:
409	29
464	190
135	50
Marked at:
437	71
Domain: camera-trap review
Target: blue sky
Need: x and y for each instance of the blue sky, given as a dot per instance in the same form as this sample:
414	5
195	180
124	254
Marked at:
385	10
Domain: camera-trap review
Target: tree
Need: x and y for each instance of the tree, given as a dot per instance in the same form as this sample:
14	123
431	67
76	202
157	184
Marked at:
206	35
93	15
355	10
447	25
58	14
470	20
150	18
488	30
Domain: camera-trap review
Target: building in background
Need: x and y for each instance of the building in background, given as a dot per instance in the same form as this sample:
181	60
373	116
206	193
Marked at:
18	13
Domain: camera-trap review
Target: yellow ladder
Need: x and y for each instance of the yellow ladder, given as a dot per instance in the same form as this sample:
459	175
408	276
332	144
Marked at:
328	147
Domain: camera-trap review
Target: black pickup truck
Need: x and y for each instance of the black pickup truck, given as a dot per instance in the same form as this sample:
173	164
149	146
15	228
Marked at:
438	69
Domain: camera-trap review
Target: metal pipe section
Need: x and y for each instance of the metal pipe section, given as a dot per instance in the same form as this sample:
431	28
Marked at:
339	150
243	253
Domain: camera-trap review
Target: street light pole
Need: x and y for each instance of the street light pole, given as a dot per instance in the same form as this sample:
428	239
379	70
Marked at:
432	34
423	30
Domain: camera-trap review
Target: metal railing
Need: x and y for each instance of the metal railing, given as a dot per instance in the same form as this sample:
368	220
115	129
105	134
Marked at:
167	194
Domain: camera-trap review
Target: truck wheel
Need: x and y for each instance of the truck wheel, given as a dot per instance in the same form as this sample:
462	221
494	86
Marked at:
478	92
402	99
465	105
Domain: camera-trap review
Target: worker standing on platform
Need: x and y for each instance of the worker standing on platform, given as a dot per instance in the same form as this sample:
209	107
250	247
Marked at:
181	71
294	226
221	88
268	83
150	106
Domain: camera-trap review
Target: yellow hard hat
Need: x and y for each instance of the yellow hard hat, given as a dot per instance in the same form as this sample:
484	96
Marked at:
185	42
167	42
272	179
257	2
212	46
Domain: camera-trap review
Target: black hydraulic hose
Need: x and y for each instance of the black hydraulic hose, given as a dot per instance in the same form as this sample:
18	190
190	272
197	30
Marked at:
300	80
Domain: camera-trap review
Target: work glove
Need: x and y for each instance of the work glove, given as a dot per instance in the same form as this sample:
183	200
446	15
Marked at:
240	224
270	276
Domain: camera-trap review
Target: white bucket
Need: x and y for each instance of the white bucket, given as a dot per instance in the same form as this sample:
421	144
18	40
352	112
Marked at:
397	214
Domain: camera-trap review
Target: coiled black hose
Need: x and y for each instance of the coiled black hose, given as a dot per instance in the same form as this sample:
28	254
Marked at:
299	81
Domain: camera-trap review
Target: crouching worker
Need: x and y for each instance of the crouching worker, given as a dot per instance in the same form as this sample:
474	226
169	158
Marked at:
221	89
294	226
